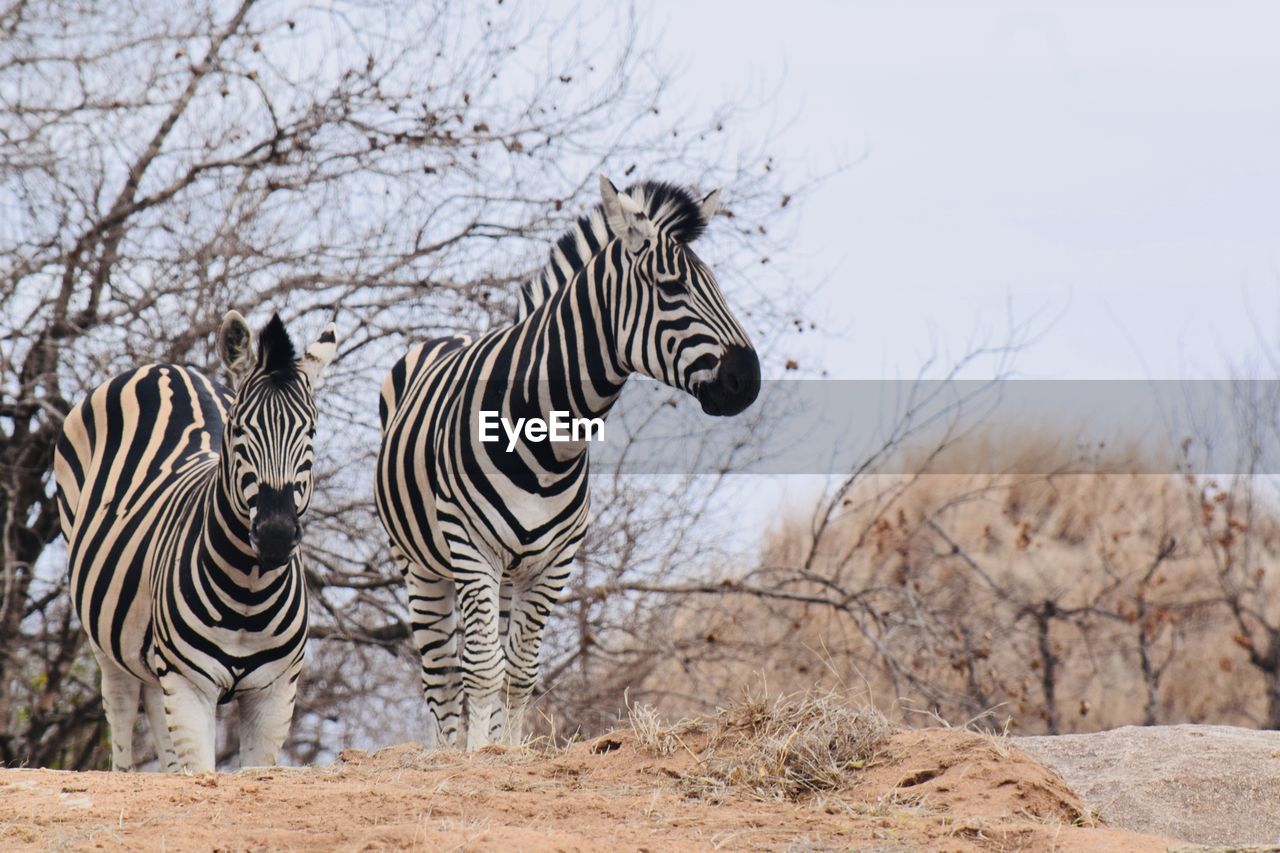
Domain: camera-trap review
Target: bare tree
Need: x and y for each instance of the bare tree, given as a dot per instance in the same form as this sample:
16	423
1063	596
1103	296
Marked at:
1043	600
395	164
1240	532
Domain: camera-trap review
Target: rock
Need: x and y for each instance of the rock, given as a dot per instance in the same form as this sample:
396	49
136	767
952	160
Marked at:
1215	785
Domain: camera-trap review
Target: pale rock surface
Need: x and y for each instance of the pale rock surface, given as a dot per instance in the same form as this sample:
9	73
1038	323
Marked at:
1215	785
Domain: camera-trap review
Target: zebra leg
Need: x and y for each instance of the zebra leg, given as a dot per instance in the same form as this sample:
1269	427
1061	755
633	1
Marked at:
435	635
265	716
531	605
120	692
153	702
498	722
482	668
190	716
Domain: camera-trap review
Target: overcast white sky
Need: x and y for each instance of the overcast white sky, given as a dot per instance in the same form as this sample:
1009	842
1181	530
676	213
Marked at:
1110	168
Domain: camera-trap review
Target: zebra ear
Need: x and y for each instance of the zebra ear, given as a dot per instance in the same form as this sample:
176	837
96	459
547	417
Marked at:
709	206
235	345
319	354
626	219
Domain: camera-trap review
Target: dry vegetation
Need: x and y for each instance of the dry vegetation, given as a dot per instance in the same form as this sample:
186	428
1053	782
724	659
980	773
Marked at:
805	772
791	746
1033	603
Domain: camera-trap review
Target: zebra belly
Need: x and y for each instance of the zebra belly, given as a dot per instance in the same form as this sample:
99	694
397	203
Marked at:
516	552
114	600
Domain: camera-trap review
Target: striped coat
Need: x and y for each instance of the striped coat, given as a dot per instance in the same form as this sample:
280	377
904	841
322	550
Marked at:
180	502
485	537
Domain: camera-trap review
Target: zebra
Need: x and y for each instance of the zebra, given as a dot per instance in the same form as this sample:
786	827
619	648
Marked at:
181	503
485	538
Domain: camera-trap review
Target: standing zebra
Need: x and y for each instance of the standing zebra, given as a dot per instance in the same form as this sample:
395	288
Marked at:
485	537
180	503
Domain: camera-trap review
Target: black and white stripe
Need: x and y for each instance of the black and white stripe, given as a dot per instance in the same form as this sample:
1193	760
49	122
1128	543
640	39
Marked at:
181	506
485	537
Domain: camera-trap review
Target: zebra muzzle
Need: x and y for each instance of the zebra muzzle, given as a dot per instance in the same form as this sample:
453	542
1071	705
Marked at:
736	385
274	540
276	531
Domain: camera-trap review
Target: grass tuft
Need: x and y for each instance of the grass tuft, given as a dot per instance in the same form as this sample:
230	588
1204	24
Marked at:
791	747
653	736
797	745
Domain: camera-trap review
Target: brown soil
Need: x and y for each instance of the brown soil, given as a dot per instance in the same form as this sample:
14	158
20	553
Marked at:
936	789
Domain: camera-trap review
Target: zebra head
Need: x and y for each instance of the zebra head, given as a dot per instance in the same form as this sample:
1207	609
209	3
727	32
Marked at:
269	432
673	324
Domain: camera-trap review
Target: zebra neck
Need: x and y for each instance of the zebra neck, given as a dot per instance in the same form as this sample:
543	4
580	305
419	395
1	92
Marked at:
575	352
226	552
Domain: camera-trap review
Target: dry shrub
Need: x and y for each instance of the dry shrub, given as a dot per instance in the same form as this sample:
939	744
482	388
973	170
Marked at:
655	737
791	746
1026	600
795	745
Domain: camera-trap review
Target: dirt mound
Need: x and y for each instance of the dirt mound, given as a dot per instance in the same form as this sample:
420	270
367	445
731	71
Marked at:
1214	785
937	789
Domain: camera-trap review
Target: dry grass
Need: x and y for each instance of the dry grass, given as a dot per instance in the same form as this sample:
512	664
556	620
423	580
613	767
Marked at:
789	747
655	737
796	745
942	579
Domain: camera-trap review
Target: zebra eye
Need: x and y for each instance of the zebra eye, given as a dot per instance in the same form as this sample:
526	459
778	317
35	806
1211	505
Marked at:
671	286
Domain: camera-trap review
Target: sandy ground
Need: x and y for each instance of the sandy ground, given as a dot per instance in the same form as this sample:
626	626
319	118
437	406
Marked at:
934	789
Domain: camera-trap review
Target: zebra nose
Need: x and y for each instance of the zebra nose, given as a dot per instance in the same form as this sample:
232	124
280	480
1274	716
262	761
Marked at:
736	384
733	381
274	539
739	374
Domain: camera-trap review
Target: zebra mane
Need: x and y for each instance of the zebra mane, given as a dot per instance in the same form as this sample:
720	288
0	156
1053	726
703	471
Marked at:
670	208
275	349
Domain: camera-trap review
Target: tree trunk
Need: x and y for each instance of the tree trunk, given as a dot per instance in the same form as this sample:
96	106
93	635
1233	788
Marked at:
1049	668
1270	667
